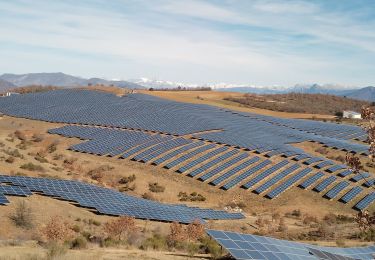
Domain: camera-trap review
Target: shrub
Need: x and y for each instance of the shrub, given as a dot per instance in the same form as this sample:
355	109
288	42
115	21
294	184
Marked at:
195	230
120	228
32	167
194	196
40	159
10	159
79	243
52	147
57	230
23	216
127	187
177	234
192	249
155	187
14	153
127	179
37	138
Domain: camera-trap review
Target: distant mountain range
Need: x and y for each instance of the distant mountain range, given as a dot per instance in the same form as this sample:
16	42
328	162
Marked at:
58	79
9	81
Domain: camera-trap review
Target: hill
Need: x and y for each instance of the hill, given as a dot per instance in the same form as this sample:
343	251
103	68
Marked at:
300	103
60	79
5	85
367	93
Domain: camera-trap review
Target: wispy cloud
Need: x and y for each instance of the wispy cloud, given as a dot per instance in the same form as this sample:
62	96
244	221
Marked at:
258	42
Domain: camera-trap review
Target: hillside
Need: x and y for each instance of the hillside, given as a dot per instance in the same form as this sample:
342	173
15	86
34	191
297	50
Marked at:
367	93
5	85
61	80
300	103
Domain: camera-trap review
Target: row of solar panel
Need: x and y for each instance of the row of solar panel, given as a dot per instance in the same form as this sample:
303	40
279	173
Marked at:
210	159
106	201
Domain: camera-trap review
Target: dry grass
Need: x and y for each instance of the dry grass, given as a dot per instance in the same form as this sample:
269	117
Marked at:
216	98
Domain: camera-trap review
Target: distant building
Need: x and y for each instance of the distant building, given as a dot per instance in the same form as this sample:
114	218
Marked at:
351	114
8	94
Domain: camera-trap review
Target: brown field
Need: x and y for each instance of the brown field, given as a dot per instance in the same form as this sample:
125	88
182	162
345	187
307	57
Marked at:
216	98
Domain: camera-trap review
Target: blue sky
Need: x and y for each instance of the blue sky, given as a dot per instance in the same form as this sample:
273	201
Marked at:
266	42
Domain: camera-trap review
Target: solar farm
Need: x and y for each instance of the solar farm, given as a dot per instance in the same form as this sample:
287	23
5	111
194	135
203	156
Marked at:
219	150
234	149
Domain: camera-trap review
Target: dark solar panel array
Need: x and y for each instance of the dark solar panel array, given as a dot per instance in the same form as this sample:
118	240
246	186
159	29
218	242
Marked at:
245	175
324	184
201	159
309	181
106	201
265	174
365	202
287	184
276	178
149	129
332	193
212	163
139	111
247	246
350	195
235	170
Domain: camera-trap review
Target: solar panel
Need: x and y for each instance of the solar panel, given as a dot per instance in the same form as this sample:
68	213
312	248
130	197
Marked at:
211	163
350	195
307	183
264	174
365	202
106	201
223	167
276	178
324	184
345	173
234	170
332	193
360	176
202	159
245	175
287	184
247	246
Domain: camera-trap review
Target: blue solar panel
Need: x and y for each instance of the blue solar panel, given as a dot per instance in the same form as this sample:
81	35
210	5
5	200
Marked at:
245	175
365	202
234	170
276	178
360	176
307	183
351	194
287	184
106	201
264	174
202	159
247	246
332	193
345	173
223	167
324	184
212	163
189	155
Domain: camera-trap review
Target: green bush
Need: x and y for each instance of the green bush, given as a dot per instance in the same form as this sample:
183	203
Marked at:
55	250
